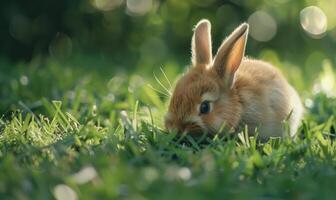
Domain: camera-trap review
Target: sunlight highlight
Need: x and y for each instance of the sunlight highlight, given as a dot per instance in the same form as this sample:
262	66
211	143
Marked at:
106	5
64	192
313	21
263	27
184	173
138	7
85	175
309	103
326	82
24	80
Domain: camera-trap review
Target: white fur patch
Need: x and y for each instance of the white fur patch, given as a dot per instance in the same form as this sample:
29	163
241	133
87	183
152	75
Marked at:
210	96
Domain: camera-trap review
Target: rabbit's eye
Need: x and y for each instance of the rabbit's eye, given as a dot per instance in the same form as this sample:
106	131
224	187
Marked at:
205	107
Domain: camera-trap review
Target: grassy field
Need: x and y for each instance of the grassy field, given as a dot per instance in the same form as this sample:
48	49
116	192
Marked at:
89	133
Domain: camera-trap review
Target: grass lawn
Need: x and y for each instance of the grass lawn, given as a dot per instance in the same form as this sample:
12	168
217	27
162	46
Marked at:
87	133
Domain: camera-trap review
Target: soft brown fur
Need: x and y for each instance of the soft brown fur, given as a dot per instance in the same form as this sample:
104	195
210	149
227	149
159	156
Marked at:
241	91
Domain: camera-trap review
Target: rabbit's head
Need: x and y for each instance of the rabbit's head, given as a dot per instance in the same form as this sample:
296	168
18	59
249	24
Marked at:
204	99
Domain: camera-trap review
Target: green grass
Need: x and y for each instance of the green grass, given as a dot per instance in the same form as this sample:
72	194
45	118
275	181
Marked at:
102	136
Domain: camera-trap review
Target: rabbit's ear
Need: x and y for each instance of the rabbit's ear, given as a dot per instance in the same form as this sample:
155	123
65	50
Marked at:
231	53
201	43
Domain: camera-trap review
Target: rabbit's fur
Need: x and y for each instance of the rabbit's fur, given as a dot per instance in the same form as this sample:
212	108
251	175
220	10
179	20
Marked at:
240	91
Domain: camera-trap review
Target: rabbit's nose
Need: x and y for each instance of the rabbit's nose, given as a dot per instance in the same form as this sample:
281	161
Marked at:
181	128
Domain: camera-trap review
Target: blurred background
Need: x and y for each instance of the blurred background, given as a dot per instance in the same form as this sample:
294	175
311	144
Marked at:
121	36
151	32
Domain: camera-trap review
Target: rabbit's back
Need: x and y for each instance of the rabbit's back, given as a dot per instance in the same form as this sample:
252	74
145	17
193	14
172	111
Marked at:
267	99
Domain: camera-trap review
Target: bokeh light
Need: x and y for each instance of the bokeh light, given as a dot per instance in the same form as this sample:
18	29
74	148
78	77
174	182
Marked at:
150	174
86	174
138	7
184	173
61	46
326	81
64	192
24	80
106	5
263	27
313	21
20	28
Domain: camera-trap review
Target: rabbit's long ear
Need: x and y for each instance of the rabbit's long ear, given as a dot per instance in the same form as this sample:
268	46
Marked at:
201	43
231	53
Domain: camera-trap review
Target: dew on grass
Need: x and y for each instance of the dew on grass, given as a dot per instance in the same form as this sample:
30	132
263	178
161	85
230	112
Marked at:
308	103
123	115
94	110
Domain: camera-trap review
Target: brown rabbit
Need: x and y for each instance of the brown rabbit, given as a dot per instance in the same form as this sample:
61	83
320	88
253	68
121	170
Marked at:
231	91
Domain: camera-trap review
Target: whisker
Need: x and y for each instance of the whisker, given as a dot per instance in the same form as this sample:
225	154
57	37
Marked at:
160	83
164	74
158	91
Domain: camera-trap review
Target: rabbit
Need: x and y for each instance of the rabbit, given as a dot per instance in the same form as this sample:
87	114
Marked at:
231	91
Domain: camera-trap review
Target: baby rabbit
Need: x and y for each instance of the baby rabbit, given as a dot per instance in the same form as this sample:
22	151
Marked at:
231	91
